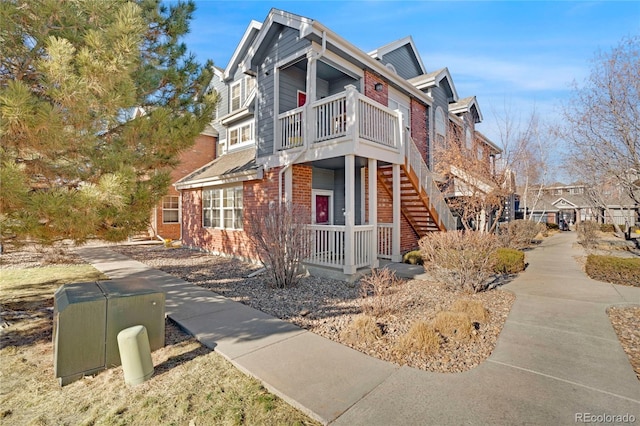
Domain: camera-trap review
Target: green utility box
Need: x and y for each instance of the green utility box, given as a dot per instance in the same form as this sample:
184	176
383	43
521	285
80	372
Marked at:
87	318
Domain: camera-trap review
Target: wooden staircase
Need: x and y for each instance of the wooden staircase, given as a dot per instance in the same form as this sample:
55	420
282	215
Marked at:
414	203
421	202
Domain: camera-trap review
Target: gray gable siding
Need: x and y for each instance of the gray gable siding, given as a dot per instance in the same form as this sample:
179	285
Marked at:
292	79
283	43
404	61
223	106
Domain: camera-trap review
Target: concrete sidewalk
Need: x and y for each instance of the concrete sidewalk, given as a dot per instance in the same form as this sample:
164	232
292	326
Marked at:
557	356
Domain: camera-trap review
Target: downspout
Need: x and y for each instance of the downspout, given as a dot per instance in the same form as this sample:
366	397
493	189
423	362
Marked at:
312	57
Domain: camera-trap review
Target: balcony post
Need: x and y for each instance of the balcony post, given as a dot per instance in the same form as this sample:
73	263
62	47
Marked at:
349	213
308	117
395	237
352	111
373	209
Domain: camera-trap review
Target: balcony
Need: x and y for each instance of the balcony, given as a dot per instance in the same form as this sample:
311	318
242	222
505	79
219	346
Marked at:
349	118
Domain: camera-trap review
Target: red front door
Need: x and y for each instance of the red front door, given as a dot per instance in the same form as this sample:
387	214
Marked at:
322	209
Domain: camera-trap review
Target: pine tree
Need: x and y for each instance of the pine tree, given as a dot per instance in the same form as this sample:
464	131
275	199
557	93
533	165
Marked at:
97	100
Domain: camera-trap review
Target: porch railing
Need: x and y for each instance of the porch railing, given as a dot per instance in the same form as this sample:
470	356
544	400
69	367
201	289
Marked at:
329	246
347	113
385	240
413	160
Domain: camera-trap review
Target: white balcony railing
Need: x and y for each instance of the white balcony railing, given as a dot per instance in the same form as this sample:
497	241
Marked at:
348	114
329	246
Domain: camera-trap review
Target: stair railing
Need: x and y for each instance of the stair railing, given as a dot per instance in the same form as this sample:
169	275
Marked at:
414	161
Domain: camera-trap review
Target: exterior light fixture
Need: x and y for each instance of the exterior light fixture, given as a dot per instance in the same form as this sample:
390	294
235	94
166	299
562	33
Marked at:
378	87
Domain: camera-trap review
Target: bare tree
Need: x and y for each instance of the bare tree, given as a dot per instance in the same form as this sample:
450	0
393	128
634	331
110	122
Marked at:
601	124
474	188
281	239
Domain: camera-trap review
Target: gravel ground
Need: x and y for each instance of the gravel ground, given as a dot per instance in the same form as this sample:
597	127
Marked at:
626	323
327	307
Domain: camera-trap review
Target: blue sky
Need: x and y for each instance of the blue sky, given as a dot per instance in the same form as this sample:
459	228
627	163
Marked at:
513	53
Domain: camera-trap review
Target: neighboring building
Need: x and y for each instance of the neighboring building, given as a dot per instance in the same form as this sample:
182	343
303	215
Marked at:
570	203
308	118
166	217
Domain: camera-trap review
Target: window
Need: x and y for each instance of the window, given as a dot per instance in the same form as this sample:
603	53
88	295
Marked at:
170	209
241	134
235	96
441	128
240	91
222	208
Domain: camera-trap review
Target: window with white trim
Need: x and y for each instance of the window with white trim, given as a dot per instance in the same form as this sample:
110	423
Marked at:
241	135
222	207
236	95
441	128
170	209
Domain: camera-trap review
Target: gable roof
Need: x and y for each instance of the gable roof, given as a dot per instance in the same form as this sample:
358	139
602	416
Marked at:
437	78
247	38
317	32
230	167
380	52
468	104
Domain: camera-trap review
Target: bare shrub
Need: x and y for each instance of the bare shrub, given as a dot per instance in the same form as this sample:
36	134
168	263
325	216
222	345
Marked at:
588	234
376	289
453	325
462	260
520	234
421	338
473	308
282	241
363	329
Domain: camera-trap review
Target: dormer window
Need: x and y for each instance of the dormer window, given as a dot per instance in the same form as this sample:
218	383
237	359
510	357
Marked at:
240	91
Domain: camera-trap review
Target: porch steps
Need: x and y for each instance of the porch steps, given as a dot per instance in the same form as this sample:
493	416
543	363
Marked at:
414	202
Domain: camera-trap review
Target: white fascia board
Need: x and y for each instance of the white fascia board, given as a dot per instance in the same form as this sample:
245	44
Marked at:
425	82
565	201
253	26
318	29
467	108
275	16
219	180
235	115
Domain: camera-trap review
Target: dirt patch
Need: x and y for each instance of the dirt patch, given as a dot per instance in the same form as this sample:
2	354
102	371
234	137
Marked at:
626	323
328	307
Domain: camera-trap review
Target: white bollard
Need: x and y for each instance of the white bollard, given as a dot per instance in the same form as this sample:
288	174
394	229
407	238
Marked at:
135	354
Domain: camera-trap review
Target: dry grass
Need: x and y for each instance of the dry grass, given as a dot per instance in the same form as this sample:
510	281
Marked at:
473	308
363	329
453	325
377	290
421	338
191	384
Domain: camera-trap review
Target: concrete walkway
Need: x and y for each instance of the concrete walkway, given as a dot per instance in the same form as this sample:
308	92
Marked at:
557	356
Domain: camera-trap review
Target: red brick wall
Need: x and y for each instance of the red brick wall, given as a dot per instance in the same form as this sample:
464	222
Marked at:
202	152
302	176
419	127
257	194
370	80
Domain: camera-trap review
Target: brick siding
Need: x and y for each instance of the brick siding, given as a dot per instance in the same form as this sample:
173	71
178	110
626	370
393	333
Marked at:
370	81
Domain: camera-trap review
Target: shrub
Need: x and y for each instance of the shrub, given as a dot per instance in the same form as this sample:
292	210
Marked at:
613	269
421	338
453	325
520	234
376	289
280	237
462	260
588	233
473	308
552	226
363	329
508	261
607	227
413	257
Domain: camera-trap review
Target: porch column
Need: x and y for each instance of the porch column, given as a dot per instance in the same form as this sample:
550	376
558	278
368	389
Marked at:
308	135
396	256
373	209
349	213
288	186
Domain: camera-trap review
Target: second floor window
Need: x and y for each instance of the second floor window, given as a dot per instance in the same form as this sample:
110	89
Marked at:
240	135
240	91
236	94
